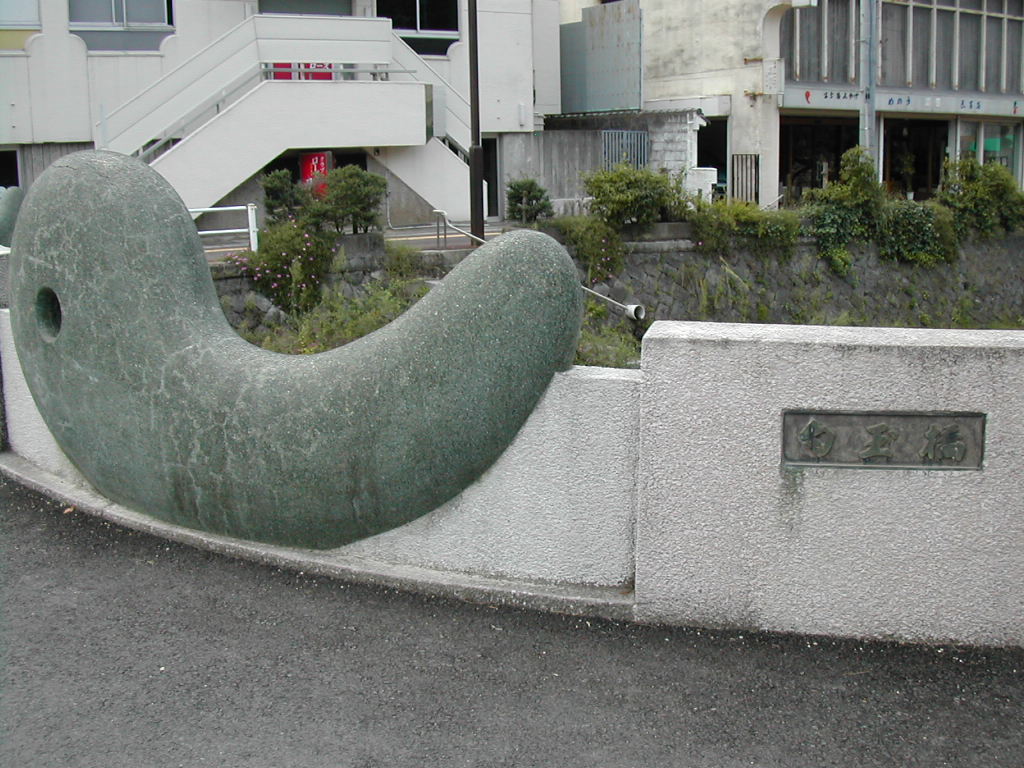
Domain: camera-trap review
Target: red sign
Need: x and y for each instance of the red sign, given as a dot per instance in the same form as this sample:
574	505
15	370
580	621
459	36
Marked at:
315	165
284	70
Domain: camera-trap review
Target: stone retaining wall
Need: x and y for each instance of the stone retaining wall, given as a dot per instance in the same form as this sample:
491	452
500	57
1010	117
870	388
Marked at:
675	281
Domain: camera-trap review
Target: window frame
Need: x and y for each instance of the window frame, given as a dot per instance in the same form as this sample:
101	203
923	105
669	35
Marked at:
123	24
24	23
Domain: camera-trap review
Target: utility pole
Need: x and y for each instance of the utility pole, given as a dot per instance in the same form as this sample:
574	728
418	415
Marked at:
476	153
868	76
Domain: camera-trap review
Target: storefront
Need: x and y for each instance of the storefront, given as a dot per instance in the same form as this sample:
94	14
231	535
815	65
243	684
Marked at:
917	131
949	85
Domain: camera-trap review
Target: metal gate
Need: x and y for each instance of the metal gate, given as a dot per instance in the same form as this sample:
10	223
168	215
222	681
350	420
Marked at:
630	147
746	177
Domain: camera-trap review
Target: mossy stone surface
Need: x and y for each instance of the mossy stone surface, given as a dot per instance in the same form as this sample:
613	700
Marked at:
166	410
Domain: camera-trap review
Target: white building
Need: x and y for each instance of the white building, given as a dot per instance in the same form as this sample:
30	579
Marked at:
781	84
212	92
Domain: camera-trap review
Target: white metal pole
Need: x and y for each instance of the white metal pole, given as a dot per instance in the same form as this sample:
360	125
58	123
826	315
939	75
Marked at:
868	74
254	237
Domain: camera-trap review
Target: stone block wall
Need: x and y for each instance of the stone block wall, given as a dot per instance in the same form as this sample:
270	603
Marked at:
674	280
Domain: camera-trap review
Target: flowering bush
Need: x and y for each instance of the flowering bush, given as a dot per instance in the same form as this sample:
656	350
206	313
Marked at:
289	266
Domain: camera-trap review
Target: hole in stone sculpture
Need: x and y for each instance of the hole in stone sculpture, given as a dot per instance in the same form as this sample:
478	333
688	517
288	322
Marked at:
48	313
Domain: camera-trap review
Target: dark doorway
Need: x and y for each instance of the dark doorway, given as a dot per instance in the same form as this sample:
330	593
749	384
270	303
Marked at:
712	149
810	150
490	147
8	168
914	150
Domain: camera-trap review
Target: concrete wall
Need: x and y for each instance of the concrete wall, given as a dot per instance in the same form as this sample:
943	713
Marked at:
601	59
558	506
555	158
403	206
727	536
435	172
698	53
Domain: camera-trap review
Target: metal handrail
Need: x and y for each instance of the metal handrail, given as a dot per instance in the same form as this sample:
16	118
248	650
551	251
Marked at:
632	311
250	229
443	216
253	77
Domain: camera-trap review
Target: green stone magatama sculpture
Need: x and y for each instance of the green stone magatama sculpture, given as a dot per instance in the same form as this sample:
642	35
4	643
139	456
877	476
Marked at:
167	411
10	202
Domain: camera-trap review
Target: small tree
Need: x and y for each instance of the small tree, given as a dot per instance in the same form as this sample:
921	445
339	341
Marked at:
283	199
527	201
352	197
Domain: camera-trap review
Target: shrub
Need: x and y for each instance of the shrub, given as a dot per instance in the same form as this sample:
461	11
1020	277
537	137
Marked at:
289	266
725	224
847	211
907	233
338	320
681	202
611	346
850	209
401	261
282	198
595	244
1001	190
527	201
627	195
984	200
351	197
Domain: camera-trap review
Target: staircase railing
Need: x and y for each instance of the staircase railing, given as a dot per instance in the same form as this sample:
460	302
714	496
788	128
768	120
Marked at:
193	92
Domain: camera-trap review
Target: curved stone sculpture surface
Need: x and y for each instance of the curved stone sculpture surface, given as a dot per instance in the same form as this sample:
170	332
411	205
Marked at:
165	409
10	202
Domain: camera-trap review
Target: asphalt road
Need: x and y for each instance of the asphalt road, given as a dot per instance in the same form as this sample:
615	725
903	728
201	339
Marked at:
122	650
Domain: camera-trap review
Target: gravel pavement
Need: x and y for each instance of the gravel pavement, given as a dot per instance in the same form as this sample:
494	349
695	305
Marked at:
120	649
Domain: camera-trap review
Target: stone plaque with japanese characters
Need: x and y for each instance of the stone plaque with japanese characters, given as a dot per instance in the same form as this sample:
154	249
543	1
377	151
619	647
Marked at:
883	439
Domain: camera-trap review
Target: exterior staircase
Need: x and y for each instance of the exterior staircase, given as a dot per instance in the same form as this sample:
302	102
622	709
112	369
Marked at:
216	120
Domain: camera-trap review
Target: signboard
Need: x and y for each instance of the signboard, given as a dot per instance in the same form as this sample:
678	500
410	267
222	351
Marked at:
939	440
313	166
849	98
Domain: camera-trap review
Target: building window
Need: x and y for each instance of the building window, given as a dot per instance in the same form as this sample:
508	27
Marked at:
121	25
958	45
428	26
120	13
989	142
19	14
318	7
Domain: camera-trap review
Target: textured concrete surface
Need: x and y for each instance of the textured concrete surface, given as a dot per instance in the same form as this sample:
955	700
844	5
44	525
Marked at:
165	409
557	506
10	202
605	602
124	650
725	536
